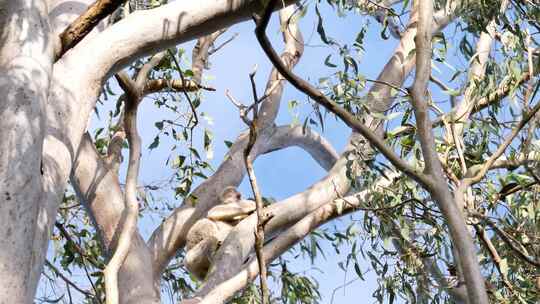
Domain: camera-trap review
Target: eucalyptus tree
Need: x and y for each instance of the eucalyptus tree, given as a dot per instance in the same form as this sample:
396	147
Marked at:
438	181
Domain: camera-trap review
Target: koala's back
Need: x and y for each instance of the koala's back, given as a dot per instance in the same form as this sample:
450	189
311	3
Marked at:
202	228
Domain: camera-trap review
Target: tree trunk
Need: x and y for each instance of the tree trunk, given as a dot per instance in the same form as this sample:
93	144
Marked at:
25	70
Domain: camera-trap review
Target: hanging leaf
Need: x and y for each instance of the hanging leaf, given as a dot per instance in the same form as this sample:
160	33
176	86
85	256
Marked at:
328	63
154	143
320	28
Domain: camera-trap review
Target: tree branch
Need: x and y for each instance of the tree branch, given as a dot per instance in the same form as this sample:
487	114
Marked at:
148	31
469	180
142	75
78	248
457	293
77	30
500	93
438	188
201	51
288	238
477	71
239	243
157	85
231	172
132	205
98	188
261	217
68	281
522	255
482	235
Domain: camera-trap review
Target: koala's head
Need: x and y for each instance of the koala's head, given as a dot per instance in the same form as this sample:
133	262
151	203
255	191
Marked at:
230	195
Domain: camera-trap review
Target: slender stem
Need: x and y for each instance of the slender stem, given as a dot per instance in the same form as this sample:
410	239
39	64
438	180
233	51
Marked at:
193	118
261	217
464	248
508	140
482	235
132	206
65	279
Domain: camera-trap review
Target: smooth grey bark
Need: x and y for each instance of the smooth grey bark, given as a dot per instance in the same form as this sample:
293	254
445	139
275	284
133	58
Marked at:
97	185
291	236
25	72
170	236
98	188
86	172
438	189
96	182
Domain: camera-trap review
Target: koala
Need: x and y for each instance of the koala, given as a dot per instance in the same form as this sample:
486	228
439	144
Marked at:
207	234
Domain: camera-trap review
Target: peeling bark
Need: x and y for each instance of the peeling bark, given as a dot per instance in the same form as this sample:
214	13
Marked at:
76	31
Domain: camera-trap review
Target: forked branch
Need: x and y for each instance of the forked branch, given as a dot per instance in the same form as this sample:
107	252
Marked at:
477	176
261	217
131	212
508	240
291	236
462	241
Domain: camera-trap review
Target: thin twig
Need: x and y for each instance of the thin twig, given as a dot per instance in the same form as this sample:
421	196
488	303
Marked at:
502	195
261	217
481	233
65	279
194	117
235	102
457	142
76	246
90	279
69	293
343	286
217	48
254	92
402	90
531	67
502	234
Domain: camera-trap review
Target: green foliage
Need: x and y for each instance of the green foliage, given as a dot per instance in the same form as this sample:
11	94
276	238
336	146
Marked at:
296	288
